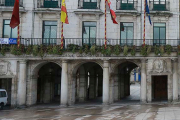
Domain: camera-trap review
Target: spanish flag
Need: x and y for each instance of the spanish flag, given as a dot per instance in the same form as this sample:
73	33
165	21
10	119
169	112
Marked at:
113	15
64	16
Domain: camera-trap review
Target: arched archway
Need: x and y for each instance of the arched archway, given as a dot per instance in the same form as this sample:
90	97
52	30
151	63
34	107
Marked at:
88	82
127	87
46	83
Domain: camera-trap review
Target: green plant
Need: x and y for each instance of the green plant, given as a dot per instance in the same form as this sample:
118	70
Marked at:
86	49
29	50
42	50
81	50
156	50
15	50
161	50
143	50
125	50
93	49
108	50
103	50
133	50
3	50
117	49
178	49
149	48
50	49
74	49
168	49
35	50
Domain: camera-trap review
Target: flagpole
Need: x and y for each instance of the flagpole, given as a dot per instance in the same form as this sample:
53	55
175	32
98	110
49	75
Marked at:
62	44
144	36
18	42
105	26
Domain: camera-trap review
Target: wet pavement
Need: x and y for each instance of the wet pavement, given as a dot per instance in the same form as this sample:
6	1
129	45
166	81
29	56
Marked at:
95	112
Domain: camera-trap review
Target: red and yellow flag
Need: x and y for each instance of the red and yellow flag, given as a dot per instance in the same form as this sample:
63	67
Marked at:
113	15
64	16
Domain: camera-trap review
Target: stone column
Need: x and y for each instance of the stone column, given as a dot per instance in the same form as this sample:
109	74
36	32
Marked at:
106	83
64	83
143	81
175	80
21	92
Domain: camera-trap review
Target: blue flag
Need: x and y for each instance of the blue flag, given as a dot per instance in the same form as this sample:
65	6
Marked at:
147	12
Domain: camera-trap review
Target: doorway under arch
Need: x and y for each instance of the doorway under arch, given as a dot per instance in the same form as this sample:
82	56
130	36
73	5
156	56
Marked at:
49	83
89	83
127	87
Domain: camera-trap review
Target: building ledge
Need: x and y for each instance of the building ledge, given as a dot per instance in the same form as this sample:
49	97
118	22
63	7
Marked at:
10	9
47	10
127	12
161	13
88	12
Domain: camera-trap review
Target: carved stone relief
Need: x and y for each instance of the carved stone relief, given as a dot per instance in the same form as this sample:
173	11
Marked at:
5	68
159	66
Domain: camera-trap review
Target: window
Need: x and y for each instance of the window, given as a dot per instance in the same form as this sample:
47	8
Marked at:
127	34
2	94
9	2
90	4
51	4
127	4
89	33
49	32
159	5
159	34
8	32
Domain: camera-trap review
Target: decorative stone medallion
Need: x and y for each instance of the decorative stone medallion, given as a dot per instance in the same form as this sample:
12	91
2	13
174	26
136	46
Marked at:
159	66
4	66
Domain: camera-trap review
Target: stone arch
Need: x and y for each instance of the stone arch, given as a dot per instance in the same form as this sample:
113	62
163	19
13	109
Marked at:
114	66
35	66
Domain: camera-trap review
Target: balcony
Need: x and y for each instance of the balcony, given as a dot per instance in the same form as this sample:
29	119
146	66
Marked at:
48	3
126	5
89	4
99	42
10	3
159	5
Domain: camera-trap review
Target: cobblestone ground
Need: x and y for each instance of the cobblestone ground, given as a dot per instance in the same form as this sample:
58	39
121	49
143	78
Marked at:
95	112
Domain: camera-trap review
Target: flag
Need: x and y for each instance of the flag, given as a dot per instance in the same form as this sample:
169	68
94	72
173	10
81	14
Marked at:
64	16
15	21
147	12
113	15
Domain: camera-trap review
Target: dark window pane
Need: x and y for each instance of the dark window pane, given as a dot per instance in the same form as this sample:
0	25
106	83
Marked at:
2	94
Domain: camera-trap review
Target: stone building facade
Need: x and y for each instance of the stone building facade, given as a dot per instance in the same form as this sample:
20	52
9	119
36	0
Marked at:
73	77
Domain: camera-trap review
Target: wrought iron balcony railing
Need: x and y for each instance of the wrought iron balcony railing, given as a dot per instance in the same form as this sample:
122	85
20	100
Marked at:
48	3
89	4
10	3
159	5
99	42
126	4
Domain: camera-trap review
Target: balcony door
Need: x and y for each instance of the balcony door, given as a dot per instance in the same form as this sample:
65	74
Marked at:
8	32
89	4
127	4
127	34
159	5
49	32
51	4
89	33
159	34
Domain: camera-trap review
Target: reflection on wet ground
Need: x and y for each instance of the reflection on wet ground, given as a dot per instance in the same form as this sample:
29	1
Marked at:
95	112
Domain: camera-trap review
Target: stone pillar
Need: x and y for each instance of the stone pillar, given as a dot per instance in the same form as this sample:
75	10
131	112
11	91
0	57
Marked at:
21	92
143	81
64	83
175	80
106	83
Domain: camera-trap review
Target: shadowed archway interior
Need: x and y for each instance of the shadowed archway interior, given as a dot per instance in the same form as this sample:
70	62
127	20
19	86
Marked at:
49	83
89	83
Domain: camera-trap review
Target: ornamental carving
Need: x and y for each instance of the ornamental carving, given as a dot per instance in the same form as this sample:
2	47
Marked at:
4	67
159	66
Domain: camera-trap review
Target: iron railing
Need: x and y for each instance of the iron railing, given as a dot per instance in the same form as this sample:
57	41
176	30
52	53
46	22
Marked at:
10	3
88	5
99	42
48	4
126	4
161	5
